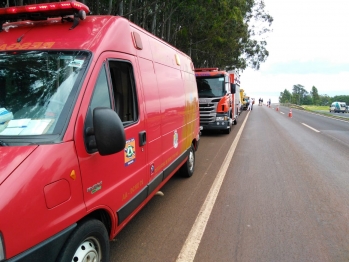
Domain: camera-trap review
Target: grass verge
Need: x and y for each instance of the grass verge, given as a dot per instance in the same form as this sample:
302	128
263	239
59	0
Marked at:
324	110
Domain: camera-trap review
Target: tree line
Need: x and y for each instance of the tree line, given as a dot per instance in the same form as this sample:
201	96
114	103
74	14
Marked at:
300	96
228	34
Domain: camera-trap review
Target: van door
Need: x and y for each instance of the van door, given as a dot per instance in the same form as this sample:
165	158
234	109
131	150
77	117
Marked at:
118	181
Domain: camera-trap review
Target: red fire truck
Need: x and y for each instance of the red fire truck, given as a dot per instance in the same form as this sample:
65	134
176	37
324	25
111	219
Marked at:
218	98
96	115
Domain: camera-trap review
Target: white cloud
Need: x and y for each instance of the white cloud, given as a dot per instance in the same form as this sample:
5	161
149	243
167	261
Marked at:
309	45
309	28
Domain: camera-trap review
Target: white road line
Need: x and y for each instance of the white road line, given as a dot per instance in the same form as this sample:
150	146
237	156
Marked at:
282	113
311	128
193	240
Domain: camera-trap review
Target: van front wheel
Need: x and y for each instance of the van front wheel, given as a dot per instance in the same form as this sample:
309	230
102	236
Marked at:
187	169
88	242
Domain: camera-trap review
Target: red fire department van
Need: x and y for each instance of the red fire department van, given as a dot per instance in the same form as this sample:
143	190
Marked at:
96	115
218	98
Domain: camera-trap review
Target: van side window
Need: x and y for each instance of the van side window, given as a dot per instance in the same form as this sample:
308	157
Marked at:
101	96
123	85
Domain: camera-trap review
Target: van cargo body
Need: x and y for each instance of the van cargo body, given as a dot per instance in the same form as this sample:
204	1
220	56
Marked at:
98	115
218	98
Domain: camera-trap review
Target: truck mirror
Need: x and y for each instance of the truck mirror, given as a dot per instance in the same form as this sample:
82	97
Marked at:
109	131
232	88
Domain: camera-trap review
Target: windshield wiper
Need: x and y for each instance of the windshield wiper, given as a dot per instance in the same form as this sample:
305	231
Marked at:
2	143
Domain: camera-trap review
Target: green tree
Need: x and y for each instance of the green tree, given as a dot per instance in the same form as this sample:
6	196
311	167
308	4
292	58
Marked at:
214	33
299	94
325	100
341	98
217	33
307	100
315	95
285	96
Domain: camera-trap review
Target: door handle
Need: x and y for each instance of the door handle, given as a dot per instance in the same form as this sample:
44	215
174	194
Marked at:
142	138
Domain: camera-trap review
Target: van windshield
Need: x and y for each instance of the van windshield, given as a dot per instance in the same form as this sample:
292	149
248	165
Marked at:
37	89
211	87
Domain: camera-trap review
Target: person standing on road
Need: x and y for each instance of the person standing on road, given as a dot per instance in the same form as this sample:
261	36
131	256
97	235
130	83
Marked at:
249	104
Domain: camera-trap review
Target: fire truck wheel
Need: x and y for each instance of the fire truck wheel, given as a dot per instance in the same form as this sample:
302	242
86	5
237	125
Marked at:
187	169
88	242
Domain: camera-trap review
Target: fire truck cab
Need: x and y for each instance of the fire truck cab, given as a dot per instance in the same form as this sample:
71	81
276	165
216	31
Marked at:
218	98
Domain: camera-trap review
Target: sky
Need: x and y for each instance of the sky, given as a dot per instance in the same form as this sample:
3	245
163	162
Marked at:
308	45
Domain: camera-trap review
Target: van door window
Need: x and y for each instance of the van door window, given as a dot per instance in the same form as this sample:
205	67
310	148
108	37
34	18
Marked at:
120	83
123	86
101	97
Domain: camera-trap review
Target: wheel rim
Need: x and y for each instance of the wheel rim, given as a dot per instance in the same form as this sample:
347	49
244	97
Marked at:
191	161
88	251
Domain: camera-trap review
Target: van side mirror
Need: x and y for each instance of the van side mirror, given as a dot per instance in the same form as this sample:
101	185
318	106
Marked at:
109	131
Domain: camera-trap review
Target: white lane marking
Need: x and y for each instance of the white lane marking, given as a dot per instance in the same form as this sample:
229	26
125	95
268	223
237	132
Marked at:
193	240
282	113
311	128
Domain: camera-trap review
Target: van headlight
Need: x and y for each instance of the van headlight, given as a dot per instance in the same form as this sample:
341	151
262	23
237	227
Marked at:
2	249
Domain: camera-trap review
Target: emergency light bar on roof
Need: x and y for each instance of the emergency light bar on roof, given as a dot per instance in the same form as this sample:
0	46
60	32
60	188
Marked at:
211	69
43	11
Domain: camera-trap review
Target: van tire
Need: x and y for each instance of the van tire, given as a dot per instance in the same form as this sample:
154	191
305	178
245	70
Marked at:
187	169
91	233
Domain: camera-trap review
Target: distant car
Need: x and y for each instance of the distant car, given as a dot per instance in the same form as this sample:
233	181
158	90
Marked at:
338	107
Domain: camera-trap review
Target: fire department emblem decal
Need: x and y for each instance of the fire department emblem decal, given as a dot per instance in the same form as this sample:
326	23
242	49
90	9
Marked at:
130	152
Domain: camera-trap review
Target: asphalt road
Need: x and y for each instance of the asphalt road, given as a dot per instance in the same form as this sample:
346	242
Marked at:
284	196
332	127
